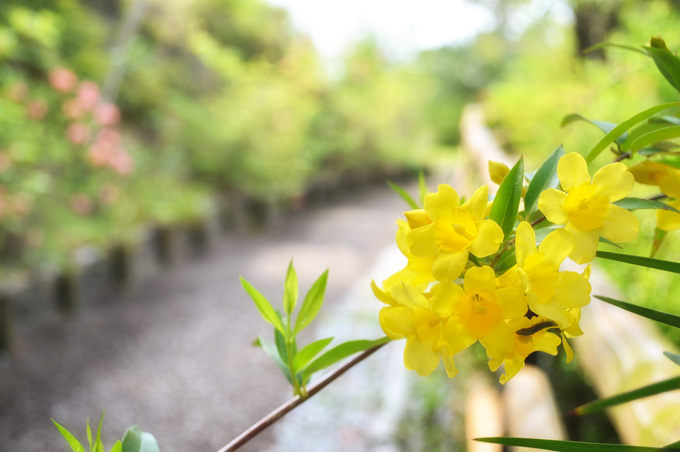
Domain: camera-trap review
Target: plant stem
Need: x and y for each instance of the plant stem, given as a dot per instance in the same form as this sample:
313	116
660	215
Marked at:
278	413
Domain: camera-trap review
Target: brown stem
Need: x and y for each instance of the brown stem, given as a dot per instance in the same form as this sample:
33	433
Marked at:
625	155
535	222
278	413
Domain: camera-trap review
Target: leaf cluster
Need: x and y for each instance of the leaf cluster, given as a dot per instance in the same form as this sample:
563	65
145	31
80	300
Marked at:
134	439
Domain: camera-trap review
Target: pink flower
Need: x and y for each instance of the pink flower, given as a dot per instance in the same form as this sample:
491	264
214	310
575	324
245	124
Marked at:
122	163
100	153
88	94
63	79
78	133
37	109
106	114
81	204
73	109
108	136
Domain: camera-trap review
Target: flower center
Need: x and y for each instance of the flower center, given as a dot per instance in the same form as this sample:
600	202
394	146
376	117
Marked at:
586	207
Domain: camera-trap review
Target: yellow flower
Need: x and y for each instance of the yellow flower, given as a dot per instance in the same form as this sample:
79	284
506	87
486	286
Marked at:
418	270
409	315
498	171
477	311
450	231
550	293
528	336
667	179
585	206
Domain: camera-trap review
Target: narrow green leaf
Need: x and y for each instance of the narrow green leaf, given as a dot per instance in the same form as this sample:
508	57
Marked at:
506	203
643	140
403	194
668	64
88	431
308	353
280	342
609	242
117	447
646	391
603	45
659	316
340	352
567	446
273	354
626	125
639	203
673	357
675	445
290	292
604	126
263	306
135	440
312	304
545	177
70	439
422	188
98	446
669	266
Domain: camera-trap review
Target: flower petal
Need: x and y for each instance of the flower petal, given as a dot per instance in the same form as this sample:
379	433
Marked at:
619	225
567	348
667	220
407	295
525	242
546	342
420	356
489	237
572	290
477	203
552	312
512	301
614	181
499	341
449	266
480	278
445	297
422	242
585	244
449	364
556	246
440	205
551	203
455	337
417	218
382	295
572	171
396	322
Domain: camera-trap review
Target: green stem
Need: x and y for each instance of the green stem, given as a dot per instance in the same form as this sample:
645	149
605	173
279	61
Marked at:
289	355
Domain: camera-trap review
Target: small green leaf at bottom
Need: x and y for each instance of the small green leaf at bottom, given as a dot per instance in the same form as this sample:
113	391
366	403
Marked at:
659	316
567	446
135	440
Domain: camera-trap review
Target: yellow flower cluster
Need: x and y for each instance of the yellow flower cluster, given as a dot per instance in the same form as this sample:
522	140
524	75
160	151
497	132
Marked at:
458	288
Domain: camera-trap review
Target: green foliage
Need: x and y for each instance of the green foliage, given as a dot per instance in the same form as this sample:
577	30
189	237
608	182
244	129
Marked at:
97	445
299	365
506	203
544	178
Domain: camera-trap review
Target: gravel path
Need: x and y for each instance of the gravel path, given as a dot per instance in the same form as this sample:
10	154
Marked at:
174	356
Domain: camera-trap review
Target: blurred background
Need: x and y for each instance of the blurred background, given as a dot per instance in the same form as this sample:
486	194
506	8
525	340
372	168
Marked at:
121	115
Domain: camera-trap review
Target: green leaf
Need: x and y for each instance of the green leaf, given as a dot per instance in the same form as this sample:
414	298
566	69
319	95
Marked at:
404	195
626	125
646	391
664	132
98	446
604	126
667	63
312	304
422	188
135	440
639	203
659	316
545	177
280	342
673	357
117	447
506	203
263	306
70	439
290	289
273	354
567	446
88	431
308	352
602	45
673	267
340	352
609	242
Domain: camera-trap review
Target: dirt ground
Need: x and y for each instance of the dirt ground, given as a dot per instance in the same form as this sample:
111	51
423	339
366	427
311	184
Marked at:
174	354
